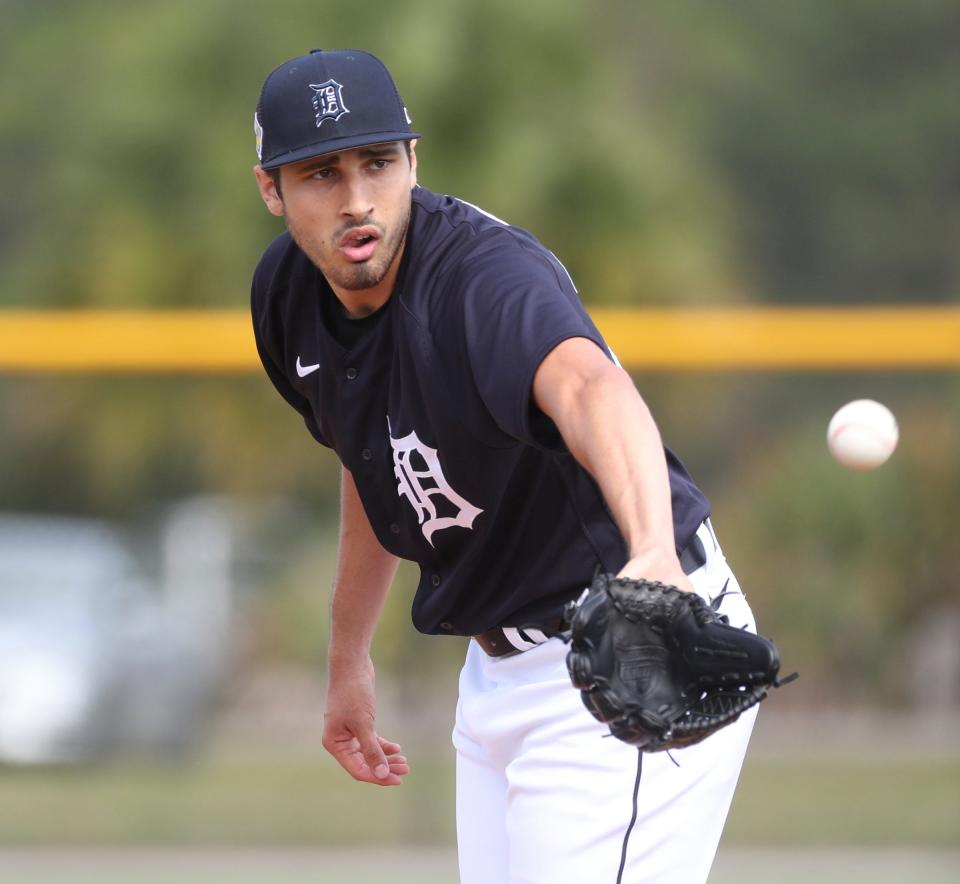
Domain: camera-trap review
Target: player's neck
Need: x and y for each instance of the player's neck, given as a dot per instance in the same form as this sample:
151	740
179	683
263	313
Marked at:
356	305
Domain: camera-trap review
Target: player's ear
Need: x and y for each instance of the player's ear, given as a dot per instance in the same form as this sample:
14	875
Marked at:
269	191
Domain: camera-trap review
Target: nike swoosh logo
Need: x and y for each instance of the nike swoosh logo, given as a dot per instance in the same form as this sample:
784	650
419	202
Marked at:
304	370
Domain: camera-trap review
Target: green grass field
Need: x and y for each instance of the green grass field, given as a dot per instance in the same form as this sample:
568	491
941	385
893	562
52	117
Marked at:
310	802
301	820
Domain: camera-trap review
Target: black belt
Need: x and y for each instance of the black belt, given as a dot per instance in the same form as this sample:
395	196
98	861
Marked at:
495	643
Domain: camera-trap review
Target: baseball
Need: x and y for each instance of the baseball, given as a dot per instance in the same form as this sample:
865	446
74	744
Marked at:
863	434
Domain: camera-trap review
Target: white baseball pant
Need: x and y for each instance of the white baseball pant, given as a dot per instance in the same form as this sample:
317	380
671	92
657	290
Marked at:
546	796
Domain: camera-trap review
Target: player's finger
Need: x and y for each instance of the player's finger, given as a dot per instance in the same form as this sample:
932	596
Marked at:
374	756
351	759
389	747
393	777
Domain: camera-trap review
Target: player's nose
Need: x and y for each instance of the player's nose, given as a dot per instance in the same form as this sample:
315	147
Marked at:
357	199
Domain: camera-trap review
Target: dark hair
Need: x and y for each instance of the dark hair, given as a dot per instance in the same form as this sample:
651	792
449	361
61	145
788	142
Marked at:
275	175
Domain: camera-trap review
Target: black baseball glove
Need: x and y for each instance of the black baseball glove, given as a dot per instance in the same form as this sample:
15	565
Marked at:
660	666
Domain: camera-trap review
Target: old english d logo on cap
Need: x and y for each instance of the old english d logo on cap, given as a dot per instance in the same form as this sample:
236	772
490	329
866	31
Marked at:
328	101
325	101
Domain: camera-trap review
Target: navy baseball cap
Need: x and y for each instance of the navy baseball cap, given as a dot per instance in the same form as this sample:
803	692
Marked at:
325	101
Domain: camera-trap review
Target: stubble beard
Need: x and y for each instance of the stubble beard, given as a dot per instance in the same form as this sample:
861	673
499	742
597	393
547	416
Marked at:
360	276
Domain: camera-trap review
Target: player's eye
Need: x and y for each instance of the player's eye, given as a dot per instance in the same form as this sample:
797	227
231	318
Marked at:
380	163
322	174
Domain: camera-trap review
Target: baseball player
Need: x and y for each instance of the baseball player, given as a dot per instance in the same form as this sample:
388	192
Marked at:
486	433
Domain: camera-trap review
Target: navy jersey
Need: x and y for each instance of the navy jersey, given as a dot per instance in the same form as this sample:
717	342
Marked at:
429	406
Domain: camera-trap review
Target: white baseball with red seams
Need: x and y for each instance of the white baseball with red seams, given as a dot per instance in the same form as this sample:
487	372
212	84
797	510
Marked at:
863	434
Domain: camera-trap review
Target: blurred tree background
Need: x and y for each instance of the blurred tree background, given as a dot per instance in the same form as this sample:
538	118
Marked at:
670	153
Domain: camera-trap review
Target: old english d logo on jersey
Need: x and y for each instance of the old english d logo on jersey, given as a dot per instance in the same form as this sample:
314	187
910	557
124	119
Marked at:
421	481
328	101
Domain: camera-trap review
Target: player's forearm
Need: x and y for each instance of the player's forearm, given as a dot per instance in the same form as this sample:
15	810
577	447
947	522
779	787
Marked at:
365	571
610	431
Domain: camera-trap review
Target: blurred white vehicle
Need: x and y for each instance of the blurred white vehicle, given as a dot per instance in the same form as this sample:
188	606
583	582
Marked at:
95	662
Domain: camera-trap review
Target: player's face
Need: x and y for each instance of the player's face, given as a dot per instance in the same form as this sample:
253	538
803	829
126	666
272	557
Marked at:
349	211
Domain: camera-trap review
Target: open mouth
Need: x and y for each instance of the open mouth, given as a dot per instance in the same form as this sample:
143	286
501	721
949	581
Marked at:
360	243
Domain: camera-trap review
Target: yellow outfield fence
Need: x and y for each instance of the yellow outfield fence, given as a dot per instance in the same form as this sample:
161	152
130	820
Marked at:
685	339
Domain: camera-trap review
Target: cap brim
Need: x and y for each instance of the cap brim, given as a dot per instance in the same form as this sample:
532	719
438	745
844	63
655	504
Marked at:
332	145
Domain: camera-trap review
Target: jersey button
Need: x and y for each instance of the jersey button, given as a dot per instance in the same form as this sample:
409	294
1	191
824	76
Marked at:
394	528
446	625
351	373
435	580
366	454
